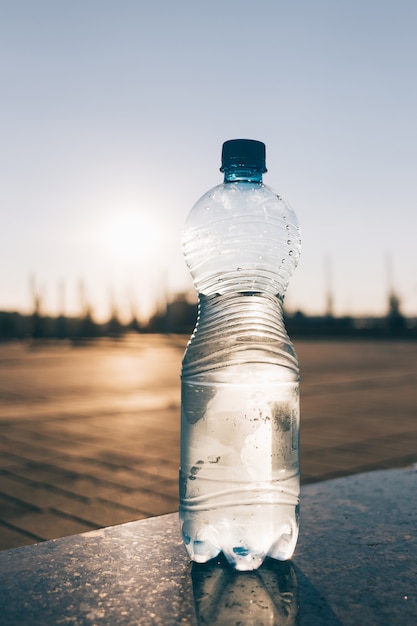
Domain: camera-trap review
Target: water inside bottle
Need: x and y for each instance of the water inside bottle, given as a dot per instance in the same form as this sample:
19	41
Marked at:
239	478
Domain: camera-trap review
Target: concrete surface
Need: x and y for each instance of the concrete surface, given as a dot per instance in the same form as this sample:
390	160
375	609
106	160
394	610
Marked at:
354	565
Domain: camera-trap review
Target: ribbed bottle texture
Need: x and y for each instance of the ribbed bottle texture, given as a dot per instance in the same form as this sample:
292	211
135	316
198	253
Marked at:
239	474
233	328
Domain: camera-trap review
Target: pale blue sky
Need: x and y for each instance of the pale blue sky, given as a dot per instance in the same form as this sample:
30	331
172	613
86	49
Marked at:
113	114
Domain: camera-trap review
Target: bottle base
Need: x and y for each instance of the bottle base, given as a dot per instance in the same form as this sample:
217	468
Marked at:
244	544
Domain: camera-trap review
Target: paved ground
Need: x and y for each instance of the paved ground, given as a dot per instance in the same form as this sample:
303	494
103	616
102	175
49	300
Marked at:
89	435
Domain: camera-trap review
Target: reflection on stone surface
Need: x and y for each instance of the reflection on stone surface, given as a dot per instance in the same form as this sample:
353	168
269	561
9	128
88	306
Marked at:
267	596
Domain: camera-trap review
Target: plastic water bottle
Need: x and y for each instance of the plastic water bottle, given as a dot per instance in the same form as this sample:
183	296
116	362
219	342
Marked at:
239	474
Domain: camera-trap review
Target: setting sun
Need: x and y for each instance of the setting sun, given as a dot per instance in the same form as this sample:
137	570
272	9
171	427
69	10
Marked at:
131	236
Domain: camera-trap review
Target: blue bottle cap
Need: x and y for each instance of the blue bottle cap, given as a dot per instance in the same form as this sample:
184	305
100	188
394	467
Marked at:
247	153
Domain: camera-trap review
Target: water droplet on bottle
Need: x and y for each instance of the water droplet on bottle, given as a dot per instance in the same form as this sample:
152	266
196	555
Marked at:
238	269
290	252
241	551
289	242
195	469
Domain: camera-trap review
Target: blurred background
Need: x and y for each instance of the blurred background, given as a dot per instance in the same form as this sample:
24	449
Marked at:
113	118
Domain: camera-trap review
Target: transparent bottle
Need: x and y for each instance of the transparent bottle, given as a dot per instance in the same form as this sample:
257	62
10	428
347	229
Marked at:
239	473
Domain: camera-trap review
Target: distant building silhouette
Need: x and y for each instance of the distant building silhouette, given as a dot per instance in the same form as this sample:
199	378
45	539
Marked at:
395	319
37	330
329	286
178	315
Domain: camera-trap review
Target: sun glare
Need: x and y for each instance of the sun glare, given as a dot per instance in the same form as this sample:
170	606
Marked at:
131	236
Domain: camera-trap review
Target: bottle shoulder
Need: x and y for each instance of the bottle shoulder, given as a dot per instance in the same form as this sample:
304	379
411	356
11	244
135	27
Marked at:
235	192
239	199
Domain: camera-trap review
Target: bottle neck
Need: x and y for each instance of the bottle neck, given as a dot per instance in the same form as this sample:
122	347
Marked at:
242	175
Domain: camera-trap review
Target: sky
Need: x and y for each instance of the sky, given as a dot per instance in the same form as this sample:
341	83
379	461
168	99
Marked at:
113	114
